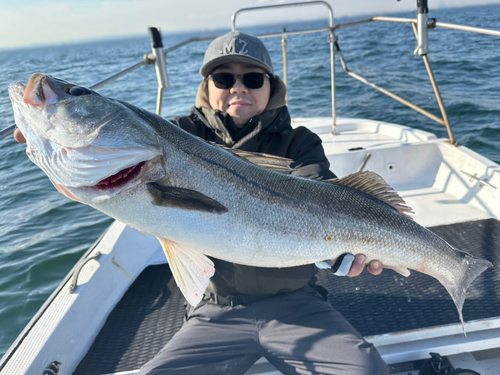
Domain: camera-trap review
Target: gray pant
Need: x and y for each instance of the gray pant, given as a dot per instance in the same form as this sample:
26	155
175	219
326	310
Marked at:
298	332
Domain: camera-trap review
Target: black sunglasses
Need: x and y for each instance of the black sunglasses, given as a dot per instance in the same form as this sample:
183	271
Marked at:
225	81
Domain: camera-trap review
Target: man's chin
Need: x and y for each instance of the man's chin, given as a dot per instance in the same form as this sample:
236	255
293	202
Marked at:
240	122
241	117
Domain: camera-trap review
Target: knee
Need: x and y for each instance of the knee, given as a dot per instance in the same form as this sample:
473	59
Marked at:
154	369
372	361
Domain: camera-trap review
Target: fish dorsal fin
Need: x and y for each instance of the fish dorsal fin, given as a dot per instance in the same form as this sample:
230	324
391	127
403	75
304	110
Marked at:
373	184
271	162
192	270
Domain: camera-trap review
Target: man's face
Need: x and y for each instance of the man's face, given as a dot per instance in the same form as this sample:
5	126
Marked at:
238	101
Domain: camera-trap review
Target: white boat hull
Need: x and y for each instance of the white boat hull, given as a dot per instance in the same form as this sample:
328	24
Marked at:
433	176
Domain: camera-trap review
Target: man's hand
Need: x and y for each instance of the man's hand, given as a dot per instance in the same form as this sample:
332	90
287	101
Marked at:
349	265
374	267
18	136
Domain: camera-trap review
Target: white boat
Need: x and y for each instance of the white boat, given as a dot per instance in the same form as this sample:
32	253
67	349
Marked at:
119	305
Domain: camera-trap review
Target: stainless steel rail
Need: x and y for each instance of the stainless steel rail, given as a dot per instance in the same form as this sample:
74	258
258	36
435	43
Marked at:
471	29
291	5
373	19
284	43
7	131
416	25
331	40
446	121
114	77
385	91
468	28
149	59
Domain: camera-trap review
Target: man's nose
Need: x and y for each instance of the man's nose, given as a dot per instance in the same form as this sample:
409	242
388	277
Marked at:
239	86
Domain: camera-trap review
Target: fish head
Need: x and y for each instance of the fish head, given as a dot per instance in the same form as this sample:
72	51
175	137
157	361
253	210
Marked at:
90	146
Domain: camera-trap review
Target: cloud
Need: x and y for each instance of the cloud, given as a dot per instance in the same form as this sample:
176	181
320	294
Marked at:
30	22
66	21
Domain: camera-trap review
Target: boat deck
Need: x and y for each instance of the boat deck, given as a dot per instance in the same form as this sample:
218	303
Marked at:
452	190
442	183
152	310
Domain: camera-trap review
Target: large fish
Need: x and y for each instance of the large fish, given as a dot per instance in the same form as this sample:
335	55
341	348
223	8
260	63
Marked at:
203	200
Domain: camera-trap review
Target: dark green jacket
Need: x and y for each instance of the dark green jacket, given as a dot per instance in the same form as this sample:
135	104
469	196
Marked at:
276	137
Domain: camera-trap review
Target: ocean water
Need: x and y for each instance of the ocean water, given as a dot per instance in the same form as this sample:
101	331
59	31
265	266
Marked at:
43	234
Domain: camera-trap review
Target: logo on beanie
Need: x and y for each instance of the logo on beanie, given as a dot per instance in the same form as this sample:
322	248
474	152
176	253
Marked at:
230	48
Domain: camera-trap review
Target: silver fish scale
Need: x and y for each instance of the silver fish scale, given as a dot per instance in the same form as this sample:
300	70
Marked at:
281	220
272	219
277	220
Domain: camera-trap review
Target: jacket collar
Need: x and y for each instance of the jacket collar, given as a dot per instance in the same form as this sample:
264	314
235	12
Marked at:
271	121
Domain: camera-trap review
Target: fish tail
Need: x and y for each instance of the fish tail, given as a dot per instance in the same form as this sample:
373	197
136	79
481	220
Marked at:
471	268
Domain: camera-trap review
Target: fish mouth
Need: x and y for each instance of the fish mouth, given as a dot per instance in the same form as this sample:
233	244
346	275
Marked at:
121	178
36	93
40	91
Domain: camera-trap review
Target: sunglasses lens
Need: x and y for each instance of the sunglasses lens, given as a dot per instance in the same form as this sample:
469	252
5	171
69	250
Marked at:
223	80
253	80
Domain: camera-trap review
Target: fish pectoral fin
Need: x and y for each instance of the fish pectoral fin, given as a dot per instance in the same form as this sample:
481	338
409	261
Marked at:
373	184
399	269
192	270
185	199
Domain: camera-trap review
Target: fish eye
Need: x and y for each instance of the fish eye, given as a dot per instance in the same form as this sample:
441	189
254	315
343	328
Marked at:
78	91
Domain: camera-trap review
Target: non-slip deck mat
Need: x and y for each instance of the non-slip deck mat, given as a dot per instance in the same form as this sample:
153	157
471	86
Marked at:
147	316
152	310
392	303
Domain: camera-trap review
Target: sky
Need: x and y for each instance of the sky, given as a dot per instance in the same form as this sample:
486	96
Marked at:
34	22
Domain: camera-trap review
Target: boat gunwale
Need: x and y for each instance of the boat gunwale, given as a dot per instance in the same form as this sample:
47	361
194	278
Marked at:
33	321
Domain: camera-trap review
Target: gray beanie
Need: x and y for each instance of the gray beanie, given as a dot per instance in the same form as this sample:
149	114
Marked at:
236	47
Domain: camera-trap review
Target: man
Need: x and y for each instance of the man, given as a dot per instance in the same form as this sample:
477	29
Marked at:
250	312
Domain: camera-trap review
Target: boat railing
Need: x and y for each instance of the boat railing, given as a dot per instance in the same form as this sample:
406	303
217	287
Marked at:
421	50
284	35
421	25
